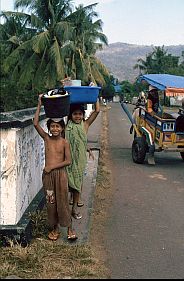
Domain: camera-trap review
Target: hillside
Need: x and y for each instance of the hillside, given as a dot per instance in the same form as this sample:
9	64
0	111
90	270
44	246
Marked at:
120	58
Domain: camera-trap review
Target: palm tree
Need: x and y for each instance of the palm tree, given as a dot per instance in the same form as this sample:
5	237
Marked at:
87	38
60	42
158	62
39	61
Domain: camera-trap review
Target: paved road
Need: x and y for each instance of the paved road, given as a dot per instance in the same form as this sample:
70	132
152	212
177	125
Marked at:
145	230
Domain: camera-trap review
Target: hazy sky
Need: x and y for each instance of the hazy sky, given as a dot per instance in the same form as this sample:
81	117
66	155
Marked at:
143	22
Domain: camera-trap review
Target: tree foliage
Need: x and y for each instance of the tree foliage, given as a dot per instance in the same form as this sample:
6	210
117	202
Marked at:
159	61
47	43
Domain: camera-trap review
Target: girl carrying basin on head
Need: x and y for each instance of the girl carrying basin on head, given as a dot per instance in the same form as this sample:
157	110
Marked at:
76	134
54	177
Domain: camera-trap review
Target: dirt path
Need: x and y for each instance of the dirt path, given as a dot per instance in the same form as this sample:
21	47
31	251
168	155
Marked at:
102	199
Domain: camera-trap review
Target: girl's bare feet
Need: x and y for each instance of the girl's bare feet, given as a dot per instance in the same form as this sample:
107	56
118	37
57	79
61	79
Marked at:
54	235
71	235
75	214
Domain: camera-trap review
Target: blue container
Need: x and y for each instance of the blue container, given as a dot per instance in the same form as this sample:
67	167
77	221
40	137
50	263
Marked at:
83	94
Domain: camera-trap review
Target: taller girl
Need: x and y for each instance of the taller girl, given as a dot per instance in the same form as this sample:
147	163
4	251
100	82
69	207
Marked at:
76	134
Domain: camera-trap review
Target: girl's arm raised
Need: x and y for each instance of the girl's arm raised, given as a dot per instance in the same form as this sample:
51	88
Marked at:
37	126
93	115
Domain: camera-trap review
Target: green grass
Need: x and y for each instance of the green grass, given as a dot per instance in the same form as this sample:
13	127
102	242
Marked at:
45	259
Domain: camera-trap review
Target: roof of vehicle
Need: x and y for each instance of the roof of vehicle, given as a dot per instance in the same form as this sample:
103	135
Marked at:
173	84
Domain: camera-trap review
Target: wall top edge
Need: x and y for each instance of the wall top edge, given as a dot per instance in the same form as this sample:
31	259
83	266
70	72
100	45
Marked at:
19	118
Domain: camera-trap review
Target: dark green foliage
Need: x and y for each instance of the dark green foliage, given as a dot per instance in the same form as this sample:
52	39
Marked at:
40	48
108	90
159	61
13	98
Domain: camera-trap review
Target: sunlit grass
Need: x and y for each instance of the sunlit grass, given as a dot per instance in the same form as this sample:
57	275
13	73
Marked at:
45	259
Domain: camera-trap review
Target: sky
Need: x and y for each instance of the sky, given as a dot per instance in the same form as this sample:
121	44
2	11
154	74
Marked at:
142	22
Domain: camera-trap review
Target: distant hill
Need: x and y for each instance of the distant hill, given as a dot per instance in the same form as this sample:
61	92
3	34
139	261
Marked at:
120	58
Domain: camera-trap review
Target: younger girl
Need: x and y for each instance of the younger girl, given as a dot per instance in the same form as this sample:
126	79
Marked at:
76	134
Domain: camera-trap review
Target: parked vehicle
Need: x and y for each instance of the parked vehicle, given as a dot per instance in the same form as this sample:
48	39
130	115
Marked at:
158	133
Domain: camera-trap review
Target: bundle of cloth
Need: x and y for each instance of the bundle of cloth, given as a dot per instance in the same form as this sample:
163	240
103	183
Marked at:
56	93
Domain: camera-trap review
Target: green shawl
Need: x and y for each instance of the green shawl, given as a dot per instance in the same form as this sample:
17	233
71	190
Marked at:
77	138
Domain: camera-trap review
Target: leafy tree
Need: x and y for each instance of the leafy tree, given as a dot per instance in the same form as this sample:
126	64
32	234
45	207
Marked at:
65	43
130	90
126	86
159	61
50	42
178	70
108	90
38	62
87	38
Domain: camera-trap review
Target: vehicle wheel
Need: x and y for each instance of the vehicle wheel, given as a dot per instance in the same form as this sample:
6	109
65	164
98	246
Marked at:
182	155
139	148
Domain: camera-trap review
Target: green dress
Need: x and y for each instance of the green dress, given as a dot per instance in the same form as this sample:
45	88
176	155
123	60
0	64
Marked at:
77	138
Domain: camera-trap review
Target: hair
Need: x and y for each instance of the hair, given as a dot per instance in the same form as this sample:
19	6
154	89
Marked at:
61	123
75	107
153	93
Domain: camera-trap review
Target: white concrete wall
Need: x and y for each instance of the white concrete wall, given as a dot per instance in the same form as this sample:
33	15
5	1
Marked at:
22	161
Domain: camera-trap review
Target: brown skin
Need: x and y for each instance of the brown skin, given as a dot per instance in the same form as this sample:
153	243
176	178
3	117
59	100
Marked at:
149	108
57	149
